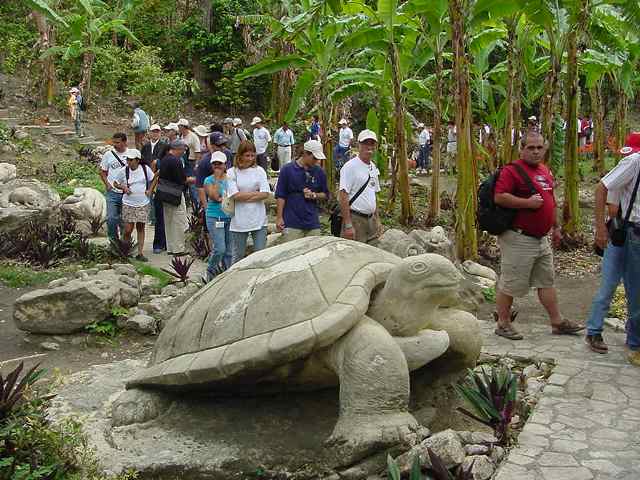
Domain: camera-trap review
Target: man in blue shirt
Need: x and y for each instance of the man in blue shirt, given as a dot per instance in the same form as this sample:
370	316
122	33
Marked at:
301	185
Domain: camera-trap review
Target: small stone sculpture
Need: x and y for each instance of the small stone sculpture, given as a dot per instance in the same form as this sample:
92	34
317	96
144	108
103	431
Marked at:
308	314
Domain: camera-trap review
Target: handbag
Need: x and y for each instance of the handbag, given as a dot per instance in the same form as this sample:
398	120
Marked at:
335	216
228	204
169	192
617	226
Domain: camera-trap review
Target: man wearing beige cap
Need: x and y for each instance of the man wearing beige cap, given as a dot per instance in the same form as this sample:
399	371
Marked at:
359	183
301	185
155	147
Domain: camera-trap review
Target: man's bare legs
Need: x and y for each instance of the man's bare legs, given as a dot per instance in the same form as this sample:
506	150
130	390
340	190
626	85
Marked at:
503	304
549	300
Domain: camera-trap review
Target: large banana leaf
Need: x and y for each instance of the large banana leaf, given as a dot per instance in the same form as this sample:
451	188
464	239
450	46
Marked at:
355	75
349	90
43	7
272	65
303	86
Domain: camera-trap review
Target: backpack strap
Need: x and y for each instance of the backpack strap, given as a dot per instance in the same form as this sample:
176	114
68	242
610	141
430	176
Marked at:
146	176
631	201
526	178
364	185
118	158
126	174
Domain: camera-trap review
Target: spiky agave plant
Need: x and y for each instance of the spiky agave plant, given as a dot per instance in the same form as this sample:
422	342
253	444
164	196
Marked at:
122	249
438	470
96	223
491	398
180	268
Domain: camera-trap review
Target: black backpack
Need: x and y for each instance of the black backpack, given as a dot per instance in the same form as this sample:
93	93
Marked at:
493	218
83	104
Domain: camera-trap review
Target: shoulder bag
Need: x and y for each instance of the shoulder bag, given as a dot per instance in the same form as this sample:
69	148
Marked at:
618	226
229	204
335	216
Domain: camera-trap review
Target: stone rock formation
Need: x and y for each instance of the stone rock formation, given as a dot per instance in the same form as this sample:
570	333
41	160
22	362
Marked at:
85	205
24	200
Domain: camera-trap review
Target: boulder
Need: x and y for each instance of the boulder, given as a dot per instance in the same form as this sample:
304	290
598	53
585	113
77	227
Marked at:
481	467
445	444
399	243
24	200
85	204
68	307
7	172
140	323
435	241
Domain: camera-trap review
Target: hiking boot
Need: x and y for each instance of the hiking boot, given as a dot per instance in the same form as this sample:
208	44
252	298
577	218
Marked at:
634	357
596	343
566	327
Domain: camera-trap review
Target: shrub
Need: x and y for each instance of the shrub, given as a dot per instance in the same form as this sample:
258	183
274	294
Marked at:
69	174
180	268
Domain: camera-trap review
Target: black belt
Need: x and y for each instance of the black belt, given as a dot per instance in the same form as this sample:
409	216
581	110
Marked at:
360	214
283	146
522	232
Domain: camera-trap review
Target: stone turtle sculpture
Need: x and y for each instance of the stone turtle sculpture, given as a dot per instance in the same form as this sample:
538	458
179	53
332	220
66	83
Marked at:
307	314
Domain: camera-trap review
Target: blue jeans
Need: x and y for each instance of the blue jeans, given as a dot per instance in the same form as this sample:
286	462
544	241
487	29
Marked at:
221	243
423	156
159	238
239	243
632	286
77	122
114	213
612	270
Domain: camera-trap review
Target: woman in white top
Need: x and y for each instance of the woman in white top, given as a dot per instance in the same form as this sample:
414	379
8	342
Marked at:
248	186
135	181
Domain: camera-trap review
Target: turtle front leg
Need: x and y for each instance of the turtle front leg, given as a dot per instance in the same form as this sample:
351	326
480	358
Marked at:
374	392
424	347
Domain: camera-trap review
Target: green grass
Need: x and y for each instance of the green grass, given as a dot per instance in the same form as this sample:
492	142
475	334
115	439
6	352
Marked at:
19	276
70	174
163	278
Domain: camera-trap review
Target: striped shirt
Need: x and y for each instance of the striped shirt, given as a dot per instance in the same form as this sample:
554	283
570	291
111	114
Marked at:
623	178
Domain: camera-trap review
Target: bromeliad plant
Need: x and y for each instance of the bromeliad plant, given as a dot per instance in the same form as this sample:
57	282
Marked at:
180	268
438	470
491	398
122	249
12	388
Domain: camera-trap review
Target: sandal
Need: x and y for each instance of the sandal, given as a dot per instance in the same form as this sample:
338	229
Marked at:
508	332
566	328
513	315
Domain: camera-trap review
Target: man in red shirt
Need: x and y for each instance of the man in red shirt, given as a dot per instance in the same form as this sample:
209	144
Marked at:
526	256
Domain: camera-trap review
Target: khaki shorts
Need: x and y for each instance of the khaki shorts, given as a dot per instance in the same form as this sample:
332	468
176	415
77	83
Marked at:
525	262
366	230
295	233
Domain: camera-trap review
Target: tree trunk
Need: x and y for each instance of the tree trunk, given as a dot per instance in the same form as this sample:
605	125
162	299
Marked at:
406	209
517	109
571	208
324	116
466	198
200	71
597	111
550	104
87	66
509	126
46	41
434	206
621	118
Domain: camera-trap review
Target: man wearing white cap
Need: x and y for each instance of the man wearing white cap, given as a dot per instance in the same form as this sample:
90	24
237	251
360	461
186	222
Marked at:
193	155
301	185
359	183
345	137
155	148
111	162
237	136
261	139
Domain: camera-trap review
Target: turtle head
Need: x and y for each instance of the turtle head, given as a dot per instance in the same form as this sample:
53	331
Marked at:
414	290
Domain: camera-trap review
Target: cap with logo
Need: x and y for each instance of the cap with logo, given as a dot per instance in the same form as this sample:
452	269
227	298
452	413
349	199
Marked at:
631	144
218	138
365	135
314	147
218	157
256	120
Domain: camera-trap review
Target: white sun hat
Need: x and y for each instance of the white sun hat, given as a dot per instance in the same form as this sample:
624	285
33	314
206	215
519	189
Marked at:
367	134
237	122
132	153
202	131
183	122
343	121
256	120
218	157
155	126
171	126
315	148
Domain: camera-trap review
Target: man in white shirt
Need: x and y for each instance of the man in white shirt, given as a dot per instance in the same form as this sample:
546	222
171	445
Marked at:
261	139
111	162
359	183
345	137
193	144
625	178
283	138
424	137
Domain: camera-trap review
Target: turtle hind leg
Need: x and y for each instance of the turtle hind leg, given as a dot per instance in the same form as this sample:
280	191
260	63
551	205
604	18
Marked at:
374	393
138	406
